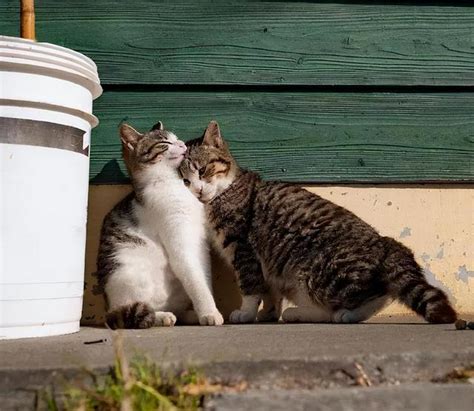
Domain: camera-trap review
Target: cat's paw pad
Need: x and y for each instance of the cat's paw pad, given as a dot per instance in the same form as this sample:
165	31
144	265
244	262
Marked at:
212	319
267	316
291	315
165	319
241	317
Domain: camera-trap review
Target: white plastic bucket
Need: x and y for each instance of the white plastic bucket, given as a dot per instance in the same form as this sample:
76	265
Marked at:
46	94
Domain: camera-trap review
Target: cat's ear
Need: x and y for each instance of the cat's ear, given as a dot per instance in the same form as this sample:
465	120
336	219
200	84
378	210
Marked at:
212	135
158	126
129	136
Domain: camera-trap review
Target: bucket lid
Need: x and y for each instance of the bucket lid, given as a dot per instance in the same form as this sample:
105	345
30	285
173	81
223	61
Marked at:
49	59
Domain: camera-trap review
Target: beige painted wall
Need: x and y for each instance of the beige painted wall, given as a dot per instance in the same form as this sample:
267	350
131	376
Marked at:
436	222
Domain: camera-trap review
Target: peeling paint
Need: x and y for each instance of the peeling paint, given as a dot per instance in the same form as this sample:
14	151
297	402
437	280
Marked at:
425	257
406	232
464	274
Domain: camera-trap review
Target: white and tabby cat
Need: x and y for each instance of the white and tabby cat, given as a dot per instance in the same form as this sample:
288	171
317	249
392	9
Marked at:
153	261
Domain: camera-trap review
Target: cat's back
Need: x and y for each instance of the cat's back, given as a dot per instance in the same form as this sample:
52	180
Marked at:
296	231
293	209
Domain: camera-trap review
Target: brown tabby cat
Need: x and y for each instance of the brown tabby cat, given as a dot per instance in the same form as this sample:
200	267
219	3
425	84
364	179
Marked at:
284	241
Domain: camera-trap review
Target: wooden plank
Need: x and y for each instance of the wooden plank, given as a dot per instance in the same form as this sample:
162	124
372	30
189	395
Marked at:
262	42
307	137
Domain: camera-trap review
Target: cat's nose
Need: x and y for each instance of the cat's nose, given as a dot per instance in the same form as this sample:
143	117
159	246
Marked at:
182	144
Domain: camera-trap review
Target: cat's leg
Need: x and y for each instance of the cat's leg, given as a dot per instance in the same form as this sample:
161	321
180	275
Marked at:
165	318
271	310
362	313
251	281
306	310
306	314
248	310
190	261
130	288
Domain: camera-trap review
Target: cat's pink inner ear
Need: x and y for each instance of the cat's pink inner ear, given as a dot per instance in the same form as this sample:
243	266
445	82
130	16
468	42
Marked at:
212	136
129	136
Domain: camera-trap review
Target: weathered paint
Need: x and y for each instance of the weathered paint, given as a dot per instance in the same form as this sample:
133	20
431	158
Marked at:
252	42
439	220
464	274
306	136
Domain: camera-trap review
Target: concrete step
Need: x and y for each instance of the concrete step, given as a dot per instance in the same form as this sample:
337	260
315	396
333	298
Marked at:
293	361
419	397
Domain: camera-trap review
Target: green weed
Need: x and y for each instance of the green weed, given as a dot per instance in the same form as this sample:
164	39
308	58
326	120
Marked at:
137	385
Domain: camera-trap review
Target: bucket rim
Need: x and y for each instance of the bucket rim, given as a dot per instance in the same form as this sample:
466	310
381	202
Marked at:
47	55
49	46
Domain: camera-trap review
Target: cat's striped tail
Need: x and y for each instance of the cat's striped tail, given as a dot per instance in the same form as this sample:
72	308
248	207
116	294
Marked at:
407	283
137	315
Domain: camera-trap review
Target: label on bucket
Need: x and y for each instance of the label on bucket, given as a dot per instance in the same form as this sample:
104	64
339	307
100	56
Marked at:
86	140
44	134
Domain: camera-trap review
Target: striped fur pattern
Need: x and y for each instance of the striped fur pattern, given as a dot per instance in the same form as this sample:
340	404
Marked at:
282	239
136	315
153	262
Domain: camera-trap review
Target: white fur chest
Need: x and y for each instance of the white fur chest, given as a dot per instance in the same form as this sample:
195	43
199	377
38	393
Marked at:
168	209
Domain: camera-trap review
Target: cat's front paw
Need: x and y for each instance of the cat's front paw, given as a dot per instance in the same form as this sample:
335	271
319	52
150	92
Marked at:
211	319
165	319
241	317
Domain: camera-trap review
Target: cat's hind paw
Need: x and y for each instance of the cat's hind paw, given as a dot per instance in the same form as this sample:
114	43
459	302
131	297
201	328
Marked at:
211	319
344	316
292	315
241	317
165	319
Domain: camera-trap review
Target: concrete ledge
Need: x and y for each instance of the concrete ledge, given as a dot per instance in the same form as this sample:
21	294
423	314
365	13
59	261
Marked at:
248	351
287	358
424	397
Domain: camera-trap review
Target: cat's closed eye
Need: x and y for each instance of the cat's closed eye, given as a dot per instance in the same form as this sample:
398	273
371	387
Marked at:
202	170
186	182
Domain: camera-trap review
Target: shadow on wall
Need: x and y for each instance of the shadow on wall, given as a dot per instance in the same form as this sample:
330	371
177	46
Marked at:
101	201
110	172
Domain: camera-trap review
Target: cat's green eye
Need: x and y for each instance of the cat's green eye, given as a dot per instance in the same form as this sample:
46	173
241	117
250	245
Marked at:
186	182
202	170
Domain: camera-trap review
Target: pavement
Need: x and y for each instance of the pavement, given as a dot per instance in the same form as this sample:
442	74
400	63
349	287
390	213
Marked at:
394	363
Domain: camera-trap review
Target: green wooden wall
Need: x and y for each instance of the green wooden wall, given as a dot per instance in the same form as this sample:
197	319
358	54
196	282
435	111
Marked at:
307	91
